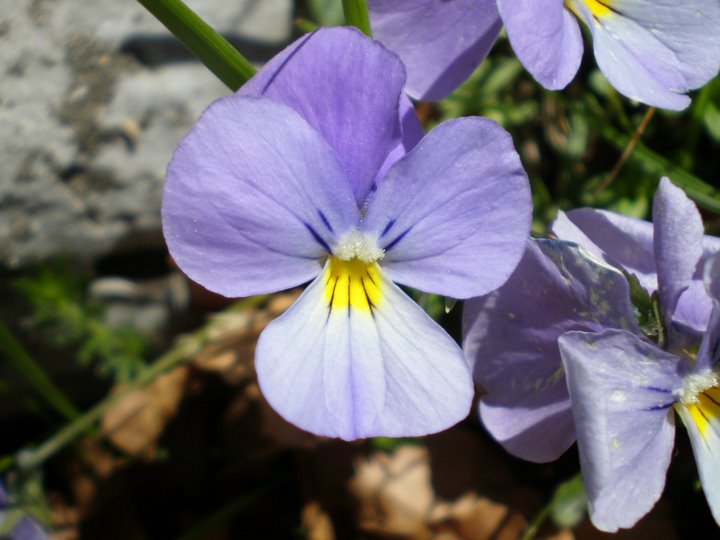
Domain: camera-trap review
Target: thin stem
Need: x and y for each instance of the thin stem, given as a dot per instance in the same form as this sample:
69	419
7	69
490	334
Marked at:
627	151
213	50
356	14
185	350
30	369
537	522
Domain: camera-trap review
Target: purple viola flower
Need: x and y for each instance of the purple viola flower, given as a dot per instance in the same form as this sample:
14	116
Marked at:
624	390
511	338
651	51
310	173
511	335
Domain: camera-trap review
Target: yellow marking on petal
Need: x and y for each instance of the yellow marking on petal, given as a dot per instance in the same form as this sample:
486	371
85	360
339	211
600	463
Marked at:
352	284
598	8
705	409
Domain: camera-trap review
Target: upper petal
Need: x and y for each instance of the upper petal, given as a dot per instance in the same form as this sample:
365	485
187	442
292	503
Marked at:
355	357
654	51
511	337
441	42
348	88
678	244
253	198
454	214
546	39
622	391
622	241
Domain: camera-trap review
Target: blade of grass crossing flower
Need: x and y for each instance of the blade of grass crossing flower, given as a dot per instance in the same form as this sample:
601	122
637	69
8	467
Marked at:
26	365
213	50
356	14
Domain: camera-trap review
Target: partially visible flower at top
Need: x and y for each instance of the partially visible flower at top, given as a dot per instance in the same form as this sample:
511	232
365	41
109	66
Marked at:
590	372
15	524
305	174
652	51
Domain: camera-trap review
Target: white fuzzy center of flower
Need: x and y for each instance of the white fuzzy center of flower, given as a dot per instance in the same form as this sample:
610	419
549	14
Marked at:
356	244
695	384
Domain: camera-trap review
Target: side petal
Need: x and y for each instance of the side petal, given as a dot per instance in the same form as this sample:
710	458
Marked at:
678	244
709	354
702	421
355	357
655	51
622	391
546	39
348	88
453	216
254	197
510	336
440	42
619	240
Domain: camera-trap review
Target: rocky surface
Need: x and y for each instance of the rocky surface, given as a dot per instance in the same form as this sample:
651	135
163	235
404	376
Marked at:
94	95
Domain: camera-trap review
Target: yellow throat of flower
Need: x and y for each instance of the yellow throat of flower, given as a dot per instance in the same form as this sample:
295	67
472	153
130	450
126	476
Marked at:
352	284
598	8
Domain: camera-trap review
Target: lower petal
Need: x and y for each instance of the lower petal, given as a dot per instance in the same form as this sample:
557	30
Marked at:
702	421
622	391
354	357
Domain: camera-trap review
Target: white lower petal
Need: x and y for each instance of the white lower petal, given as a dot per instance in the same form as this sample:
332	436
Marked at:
354	357
702	420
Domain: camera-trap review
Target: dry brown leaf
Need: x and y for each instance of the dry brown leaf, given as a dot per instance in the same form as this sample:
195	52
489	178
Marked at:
478	518
316	523
135	423
394	492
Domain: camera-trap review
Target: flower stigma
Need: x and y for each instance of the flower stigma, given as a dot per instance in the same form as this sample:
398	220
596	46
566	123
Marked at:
700	394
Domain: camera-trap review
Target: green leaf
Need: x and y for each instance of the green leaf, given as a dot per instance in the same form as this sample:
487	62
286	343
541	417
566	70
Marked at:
327	12
213	50
569	503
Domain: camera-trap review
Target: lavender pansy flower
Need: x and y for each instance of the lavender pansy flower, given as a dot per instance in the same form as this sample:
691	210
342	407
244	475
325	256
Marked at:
511	337
624	390
307	174
651	51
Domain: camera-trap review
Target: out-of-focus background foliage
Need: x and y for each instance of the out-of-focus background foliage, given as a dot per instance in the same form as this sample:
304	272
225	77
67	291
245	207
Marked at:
94	95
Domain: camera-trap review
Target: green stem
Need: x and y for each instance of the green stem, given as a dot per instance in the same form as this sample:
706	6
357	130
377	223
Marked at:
356	14
213	50
184	351
35	375
534	526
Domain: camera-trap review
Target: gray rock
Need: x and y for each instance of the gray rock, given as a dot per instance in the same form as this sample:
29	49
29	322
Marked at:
94	95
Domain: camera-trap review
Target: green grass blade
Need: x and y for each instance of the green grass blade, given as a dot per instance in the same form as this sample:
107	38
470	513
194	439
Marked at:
213	50
26	365
356	14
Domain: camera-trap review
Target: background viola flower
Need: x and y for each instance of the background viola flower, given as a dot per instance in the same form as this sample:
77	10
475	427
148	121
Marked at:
301	176
510	336
624	390
650	51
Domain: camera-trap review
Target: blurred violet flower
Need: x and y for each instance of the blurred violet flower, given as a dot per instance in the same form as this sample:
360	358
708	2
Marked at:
580	366
652	51
311	172
15	525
